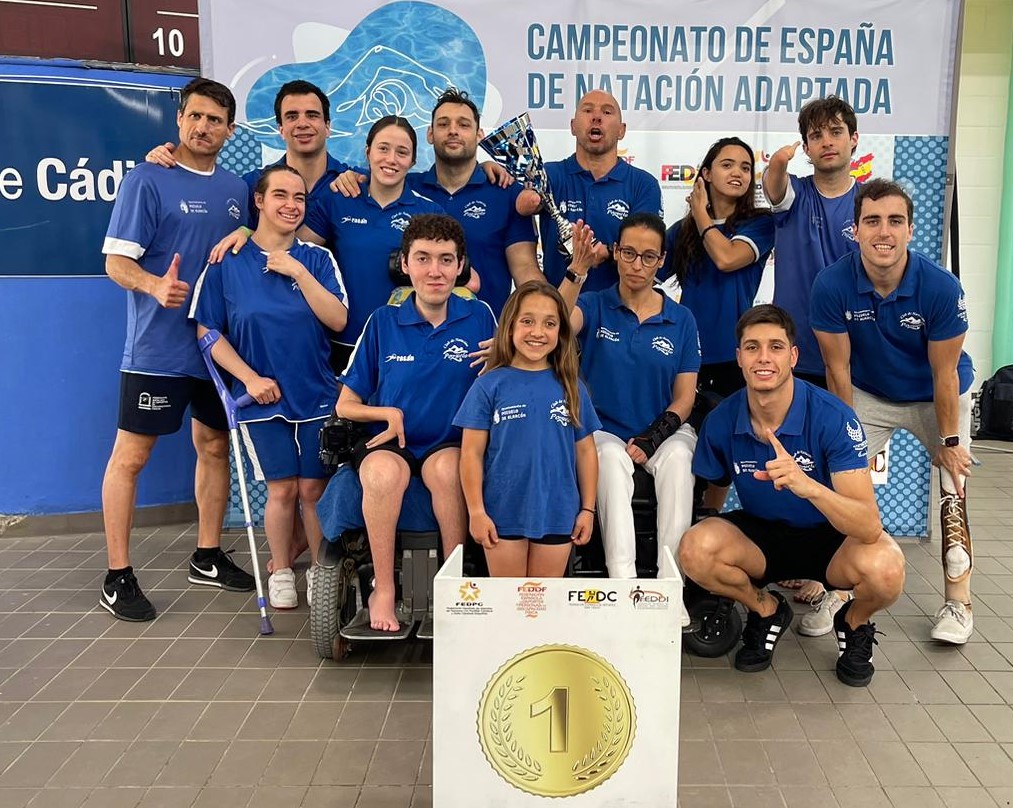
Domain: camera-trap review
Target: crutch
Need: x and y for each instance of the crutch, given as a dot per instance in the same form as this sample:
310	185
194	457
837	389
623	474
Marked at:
232	406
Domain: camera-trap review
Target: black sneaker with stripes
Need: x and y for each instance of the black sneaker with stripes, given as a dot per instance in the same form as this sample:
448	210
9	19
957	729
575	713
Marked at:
854	660
761	636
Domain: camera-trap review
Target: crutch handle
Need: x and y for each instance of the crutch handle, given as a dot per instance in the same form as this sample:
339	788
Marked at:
231	405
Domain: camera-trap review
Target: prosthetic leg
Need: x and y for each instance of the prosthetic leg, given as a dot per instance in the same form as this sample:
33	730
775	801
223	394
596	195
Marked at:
954	621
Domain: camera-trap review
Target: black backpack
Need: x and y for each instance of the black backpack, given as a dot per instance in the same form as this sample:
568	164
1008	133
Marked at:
996	406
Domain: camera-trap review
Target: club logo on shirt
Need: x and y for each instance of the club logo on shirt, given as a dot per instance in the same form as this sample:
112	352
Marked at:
663	345
354	220
745	466
510	412
559	413
455	349
574	206
848	231
962	308
234	209
188	206
607	333
804	461
860	316
394	357
912	320
857	436
399	221
618	208
475	210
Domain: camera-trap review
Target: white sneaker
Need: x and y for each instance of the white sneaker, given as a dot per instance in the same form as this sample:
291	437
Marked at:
310	572
281	589
820	620
954	623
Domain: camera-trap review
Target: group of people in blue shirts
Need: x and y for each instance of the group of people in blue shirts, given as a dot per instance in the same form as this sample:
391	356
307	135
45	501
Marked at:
527	430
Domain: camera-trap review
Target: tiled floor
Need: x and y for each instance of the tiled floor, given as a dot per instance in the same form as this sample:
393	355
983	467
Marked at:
195	710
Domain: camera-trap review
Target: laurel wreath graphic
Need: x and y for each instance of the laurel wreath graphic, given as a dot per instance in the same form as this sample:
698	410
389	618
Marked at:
610	742
511	754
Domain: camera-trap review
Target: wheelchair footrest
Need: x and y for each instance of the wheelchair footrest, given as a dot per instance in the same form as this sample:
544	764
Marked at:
358	628
425	631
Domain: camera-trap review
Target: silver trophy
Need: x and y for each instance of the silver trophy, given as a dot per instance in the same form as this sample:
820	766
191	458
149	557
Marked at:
514	147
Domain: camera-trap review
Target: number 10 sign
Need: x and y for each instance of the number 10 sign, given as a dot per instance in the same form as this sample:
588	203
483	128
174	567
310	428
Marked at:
560	687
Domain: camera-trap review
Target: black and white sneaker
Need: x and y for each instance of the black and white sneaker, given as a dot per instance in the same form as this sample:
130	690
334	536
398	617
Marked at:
221	571
761	636
854	660
122	598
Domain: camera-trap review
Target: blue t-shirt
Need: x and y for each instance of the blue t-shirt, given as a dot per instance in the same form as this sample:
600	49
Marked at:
890	336
491	223
319	190
717	299
362	236
813	232
530	472
630	367
402	361
602	204
820	431
158	212
268	321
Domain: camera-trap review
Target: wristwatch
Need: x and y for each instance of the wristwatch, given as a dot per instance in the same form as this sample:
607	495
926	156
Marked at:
949	441
573	277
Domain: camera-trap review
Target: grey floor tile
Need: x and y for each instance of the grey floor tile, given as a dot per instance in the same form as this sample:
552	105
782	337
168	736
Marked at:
744	763
862	797
892	763
361	720
125	721
314	721
169	797
267	721
37	764
794	763
942	765
278	796
958	723
775	722
114	798
961	797
221	721
699	764
294	763
243	684
411	721
30	721
243	763
988	762
172	721
345	763
704	797
201	684
286	684
913	723
755	797
141	764
224	797
60	798
192	763
395	763
88	764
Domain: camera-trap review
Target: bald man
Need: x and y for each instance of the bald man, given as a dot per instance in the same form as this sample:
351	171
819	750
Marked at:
593	184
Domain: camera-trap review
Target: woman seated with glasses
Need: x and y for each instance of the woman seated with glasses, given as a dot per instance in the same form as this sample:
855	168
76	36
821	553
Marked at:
639	356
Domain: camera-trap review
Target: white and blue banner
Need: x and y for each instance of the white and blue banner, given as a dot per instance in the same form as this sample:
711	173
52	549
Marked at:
685	73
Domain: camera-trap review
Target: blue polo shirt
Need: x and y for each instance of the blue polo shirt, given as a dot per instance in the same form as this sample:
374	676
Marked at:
268	321
890	336
602	204
717	299
531	457
630	367
158	212
813	232
402	361
820	431
362	236
320	189
491	223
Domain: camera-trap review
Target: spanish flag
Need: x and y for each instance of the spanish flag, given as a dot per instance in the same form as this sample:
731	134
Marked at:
861	168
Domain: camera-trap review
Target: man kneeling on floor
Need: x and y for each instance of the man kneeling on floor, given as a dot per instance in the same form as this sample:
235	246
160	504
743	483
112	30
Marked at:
797	456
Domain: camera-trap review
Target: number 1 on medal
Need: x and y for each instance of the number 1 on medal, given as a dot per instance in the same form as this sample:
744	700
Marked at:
557	705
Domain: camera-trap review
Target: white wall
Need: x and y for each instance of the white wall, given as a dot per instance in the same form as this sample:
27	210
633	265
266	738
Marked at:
981	130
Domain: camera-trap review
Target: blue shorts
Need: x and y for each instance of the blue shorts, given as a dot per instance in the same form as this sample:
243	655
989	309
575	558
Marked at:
277	449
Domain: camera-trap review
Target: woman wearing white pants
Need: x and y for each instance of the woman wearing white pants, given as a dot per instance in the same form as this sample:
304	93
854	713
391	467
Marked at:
639	356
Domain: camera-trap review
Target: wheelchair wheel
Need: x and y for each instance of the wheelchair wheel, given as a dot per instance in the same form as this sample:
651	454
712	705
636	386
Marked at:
719	627
334	605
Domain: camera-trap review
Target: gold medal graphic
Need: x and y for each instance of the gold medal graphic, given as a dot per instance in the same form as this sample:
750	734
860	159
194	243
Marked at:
556	720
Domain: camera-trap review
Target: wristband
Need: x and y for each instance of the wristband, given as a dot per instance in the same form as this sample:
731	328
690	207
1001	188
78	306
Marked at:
706	229
246	230
589	510
573	277
949	441
663	427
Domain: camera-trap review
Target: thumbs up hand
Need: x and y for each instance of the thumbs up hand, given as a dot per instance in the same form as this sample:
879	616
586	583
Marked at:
170	291
784	472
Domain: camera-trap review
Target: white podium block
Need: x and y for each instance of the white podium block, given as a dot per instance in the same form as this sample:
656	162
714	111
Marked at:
557	688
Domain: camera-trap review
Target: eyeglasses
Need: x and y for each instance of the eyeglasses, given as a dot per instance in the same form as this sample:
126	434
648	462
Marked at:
648	258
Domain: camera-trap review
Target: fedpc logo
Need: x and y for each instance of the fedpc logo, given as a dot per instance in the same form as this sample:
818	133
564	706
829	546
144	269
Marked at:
592	597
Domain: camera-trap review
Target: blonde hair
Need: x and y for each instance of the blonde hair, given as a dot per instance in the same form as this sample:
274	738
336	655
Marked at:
563	359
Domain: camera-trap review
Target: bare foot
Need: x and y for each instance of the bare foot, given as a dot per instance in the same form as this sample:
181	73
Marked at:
809	592
301	546
381	611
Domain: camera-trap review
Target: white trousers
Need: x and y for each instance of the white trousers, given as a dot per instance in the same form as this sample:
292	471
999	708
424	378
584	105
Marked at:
671	467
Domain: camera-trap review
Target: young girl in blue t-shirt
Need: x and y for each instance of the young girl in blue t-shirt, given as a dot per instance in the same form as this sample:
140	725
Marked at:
529	468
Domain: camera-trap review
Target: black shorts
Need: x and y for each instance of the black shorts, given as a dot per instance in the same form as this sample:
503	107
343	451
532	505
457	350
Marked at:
548	538
155	405
361	451
340	354
791	552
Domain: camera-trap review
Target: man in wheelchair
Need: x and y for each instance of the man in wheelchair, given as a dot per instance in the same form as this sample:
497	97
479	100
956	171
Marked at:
797	456
408	374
